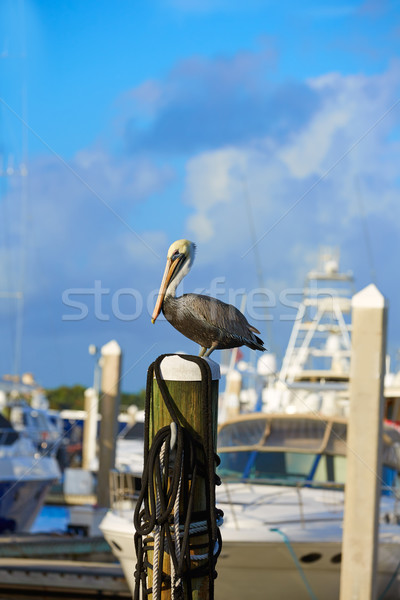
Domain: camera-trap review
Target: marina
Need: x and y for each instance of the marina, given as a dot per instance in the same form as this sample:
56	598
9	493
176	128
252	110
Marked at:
283	466
283	471
282	442
215	417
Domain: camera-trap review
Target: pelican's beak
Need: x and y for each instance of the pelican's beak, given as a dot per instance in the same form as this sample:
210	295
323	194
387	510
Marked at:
169	271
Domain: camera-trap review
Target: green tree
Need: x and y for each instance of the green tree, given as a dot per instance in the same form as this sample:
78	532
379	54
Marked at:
63	397
137	398
72	397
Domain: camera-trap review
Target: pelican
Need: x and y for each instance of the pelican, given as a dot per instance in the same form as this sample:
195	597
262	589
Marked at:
207	321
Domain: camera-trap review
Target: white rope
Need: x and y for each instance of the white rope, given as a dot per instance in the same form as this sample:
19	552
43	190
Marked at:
175	581
204	556
157	537
197	527
178	532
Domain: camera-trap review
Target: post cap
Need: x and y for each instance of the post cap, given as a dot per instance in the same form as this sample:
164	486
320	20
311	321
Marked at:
176	368
369	297
90	393
111	349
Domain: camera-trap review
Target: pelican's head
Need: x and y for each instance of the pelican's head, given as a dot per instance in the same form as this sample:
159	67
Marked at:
179	261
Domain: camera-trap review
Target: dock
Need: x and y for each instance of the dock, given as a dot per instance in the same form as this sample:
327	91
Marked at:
62	564
74	577
31	546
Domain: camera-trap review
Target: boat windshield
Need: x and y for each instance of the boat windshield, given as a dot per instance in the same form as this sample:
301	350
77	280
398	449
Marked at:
294	449
7	433
287	468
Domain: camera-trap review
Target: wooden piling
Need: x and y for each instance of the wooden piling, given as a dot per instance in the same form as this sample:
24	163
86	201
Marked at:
183	380
110	388
364	443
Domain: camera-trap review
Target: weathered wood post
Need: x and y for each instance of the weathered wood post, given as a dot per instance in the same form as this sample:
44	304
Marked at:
110	388
183	380
364	446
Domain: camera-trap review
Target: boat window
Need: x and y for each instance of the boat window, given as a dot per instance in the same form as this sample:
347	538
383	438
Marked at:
296	433
337	442
242	433
284	467
55	421
233	464
331	468
7	433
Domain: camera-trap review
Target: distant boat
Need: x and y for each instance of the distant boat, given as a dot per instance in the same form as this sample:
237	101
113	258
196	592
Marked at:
25	478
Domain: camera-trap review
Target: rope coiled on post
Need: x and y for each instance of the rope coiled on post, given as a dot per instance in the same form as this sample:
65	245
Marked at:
170	476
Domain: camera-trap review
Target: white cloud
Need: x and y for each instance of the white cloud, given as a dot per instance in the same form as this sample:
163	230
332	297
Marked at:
81	221
212	177
201	227
342	151
306	155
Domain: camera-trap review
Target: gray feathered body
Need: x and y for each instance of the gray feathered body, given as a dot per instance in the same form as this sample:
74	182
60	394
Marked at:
209	321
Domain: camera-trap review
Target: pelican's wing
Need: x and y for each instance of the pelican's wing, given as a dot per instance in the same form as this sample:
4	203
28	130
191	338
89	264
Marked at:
224	317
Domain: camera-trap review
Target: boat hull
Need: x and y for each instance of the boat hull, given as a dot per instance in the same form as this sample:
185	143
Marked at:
268	569
25	479
20	502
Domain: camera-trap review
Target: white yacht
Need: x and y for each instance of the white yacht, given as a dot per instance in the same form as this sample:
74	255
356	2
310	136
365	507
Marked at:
283	468
283	498
282	494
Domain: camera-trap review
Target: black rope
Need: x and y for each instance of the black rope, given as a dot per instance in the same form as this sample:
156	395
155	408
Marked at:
193	460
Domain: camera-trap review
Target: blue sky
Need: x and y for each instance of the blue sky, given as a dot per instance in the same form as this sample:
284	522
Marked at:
141	123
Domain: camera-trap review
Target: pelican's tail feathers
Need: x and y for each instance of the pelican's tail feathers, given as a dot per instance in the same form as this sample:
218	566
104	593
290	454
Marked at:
257	344
253	329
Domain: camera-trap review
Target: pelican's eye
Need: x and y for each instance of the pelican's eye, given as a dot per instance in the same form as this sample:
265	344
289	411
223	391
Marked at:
175	255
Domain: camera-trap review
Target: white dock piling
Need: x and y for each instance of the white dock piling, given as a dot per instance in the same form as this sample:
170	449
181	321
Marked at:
364	446
110	388
90	428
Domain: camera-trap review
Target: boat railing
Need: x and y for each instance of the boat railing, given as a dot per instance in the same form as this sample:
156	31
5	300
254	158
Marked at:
124	489
335	502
